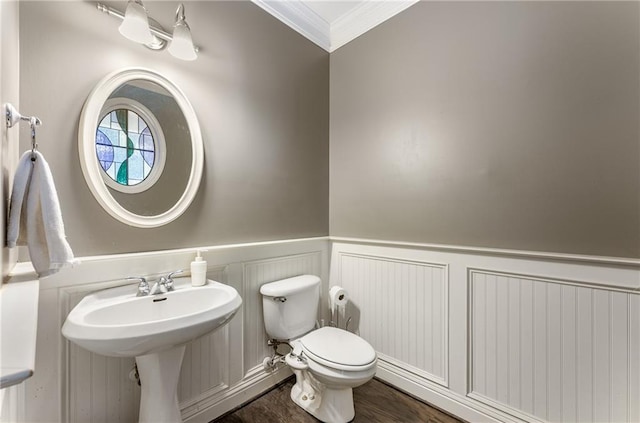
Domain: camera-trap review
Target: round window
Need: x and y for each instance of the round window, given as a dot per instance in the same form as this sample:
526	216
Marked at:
130	146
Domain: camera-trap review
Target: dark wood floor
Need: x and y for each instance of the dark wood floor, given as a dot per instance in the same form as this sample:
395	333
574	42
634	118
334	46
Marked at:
375	402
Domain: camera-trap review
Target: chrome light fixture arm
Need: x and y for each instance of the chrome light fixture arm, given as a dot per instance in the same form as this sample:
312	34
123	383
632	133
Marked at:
162	37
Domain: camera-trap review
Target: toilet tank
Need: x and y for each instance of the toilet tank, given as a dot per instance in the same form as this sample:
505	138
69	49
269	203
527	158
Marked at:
290	306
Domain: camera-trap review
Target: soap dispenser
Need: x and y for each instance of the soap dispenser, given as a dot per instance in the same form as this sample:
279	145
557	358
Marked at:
198	270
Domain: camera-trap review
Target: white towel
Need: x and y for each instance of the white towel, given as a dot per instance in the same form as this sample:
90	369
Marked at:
35	219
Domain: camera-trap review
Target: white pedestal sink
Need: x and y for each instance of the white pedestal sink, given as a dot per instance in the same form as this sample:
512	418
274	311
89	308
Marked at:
154	329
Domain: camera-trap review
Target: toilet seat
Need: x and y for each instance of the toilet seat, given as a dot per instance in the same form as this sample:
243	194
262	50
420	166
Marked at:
338	349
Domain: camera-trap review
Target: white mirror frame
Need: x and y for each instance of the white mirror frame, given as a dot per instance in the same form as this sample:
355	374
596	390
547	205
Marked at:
87	150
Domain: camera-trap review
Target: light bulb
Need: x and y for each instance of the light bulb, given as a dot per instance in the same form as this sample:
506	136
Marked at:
181	45
135	25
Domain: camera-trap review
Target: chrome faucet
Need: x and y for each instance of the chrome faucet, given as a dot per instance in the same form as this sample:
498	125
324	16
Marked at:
164	284
169	279
143	286
161	286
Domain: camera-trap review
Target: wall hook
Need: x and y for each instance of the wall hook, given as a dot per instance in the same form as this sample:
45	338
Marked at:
12	116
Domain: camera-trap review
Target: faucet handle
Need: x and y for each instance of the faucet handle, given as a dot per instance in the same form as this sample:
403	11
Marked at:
175	272
169	279
143	286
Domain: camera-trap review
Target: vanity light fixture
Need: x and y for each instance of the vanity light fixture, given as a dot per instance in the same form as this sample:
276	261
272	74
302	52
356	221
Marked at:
182	46
139	27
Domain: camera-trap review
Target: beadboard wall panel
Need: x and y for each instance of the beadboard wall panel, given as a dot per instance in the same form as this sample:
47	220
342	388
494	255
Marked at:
498	344
403	310
203	369
12	404
75	385
556	350
98	388
538	337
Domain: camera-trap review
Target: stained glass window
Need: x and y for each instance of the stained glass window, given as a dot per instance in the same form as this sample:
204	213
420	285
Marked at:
125	147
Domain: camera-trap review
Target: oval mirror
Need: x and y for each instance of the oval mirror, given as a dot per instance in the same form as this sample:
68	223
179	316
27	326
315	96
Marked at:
140	148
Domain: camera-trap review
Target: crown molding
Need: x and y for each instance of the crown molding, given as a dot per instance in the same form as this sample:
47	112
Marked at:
331	36
301	18
364	17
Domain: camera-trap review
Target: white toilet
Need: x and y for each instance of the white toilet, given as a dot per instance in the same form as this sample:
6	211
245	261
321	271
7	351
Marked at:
328	362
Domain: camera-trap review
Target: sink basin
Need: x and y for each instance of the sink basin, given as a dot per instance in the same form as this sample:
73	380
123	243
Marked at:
115	322
154	329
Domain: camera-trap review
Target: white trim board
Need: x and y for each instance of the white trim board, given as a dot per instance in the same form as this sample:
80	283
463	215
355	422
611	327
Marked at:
299	17
443	398
93	269
333	35
464	249
256	382
366	16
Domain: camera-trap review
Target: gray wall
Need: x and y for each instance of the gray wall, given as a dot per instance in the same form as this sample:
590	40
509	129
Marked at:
261	94
506	125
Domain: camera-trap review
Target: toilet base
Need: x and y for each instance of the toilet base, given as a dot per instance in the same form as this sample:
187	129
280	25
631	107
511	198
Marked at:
325	404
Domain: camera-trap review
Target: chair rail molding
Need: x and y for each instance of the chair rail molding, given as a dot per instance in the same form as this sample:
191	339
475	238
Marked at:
497	252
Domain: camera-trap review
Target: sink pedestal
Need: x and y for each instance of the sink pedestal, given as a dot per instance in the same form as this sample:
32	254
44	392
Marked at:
159	373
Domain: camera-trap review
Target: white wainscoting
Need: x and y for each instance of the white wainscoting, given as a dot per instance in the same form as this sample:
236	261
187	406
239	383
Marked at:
557	350
12	405
403	310
498	335
218	373
487	335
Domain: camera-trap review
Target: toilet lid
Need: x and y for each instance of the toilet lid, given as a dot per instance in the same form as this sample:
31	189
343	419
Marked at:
338	346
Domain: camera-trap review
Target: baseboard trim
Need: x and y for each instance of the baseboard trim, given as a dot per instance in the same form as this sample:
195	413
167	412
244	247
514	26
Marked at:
256	382
451	402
